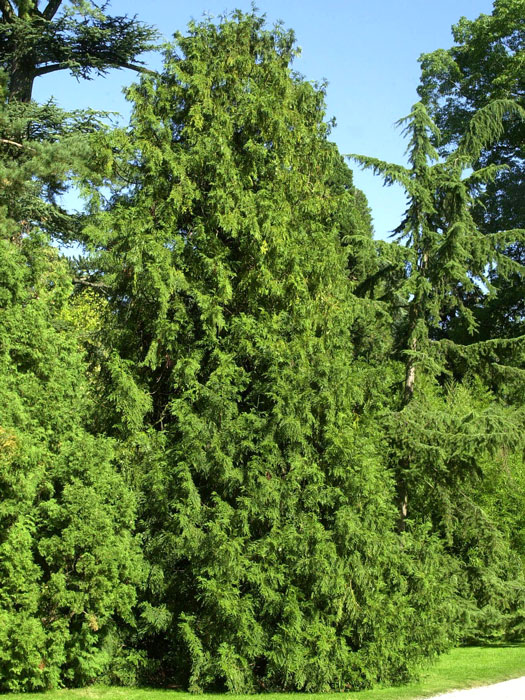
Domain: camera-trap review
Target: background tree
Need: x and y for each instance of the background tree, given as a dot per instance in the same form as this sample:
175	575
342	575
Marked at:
449	429
47	151
486	64
39	38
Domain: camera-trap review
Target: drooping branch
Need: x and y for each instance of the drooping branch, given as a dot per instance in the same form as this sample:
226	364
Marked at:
390	172
138	68
52	67
12	143
43	70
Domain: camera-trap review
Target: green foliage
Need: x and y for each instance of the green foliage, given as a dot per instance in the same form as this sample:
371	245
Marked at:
266	514
464	667
43	152
68	561
443	439
82	39
461	454
486	64
242	445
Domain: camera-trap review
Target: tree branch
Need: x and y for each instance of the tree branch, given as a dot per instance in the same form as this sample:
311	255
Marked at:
15	143
64	66
138	69
51	9
49	69
7	10
86	283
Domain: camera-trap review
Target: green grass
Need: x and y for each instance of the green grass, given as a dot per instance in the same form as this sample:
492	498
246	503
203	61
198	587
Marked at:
462	668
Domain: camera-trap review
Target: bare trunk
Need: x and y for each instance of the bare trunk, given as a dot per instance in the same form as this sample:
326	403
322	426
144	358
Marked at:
22	76
403	506
410	376
402	490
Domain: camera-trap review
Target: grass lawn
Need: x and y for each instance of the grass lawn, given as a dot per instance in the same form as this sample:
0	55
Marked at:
462	668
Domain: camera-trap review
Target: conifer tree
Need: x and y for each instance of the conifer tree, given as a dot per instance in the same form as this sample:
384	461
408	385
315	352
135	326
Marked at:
267	515
68	562
445	436
40	38
484	64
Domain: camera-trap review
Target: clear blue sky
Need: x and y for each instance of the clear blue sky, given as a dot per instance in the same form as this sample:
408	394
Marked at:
367	50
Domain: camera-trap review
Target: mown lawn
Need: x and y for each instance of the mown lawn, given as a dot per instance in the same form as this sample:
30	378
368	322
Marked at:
462	668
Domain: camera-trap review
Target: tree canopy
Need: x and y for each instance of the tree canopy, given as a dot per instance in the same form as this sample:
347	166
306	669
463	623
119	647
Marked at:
244	446
486	64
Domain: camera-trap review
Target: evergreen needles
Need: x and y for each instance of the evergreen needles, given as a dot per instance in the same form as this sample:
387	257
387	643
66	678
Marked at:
243	446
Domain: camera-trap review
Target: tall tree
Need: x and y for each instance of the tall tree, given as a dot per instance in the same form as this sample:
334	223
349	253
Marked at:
444	437
486	63
267	513
39	38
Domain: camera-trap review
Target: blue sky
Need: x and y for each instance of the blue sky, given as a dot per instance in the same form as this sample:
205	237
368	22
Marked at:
367	50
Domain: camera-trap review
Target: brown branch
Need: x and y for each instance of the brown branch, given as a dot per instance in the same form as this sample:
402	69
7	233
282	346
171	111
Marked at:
15	143
63	66
51	9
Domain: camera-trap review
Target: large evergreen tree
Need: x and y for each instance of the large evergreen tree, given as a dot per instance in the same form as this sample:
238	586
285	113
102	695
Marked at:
449	430
267	515
320	434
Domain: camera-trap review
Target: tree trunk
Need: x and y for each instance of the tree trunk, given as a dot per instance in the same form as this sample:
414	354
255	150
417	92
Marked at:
402	490
410	375
21	78
402	501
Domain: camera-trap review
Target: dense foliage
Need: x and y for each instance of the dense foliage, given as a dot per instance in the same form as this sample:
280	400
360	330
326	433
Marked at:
68	562
244	446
